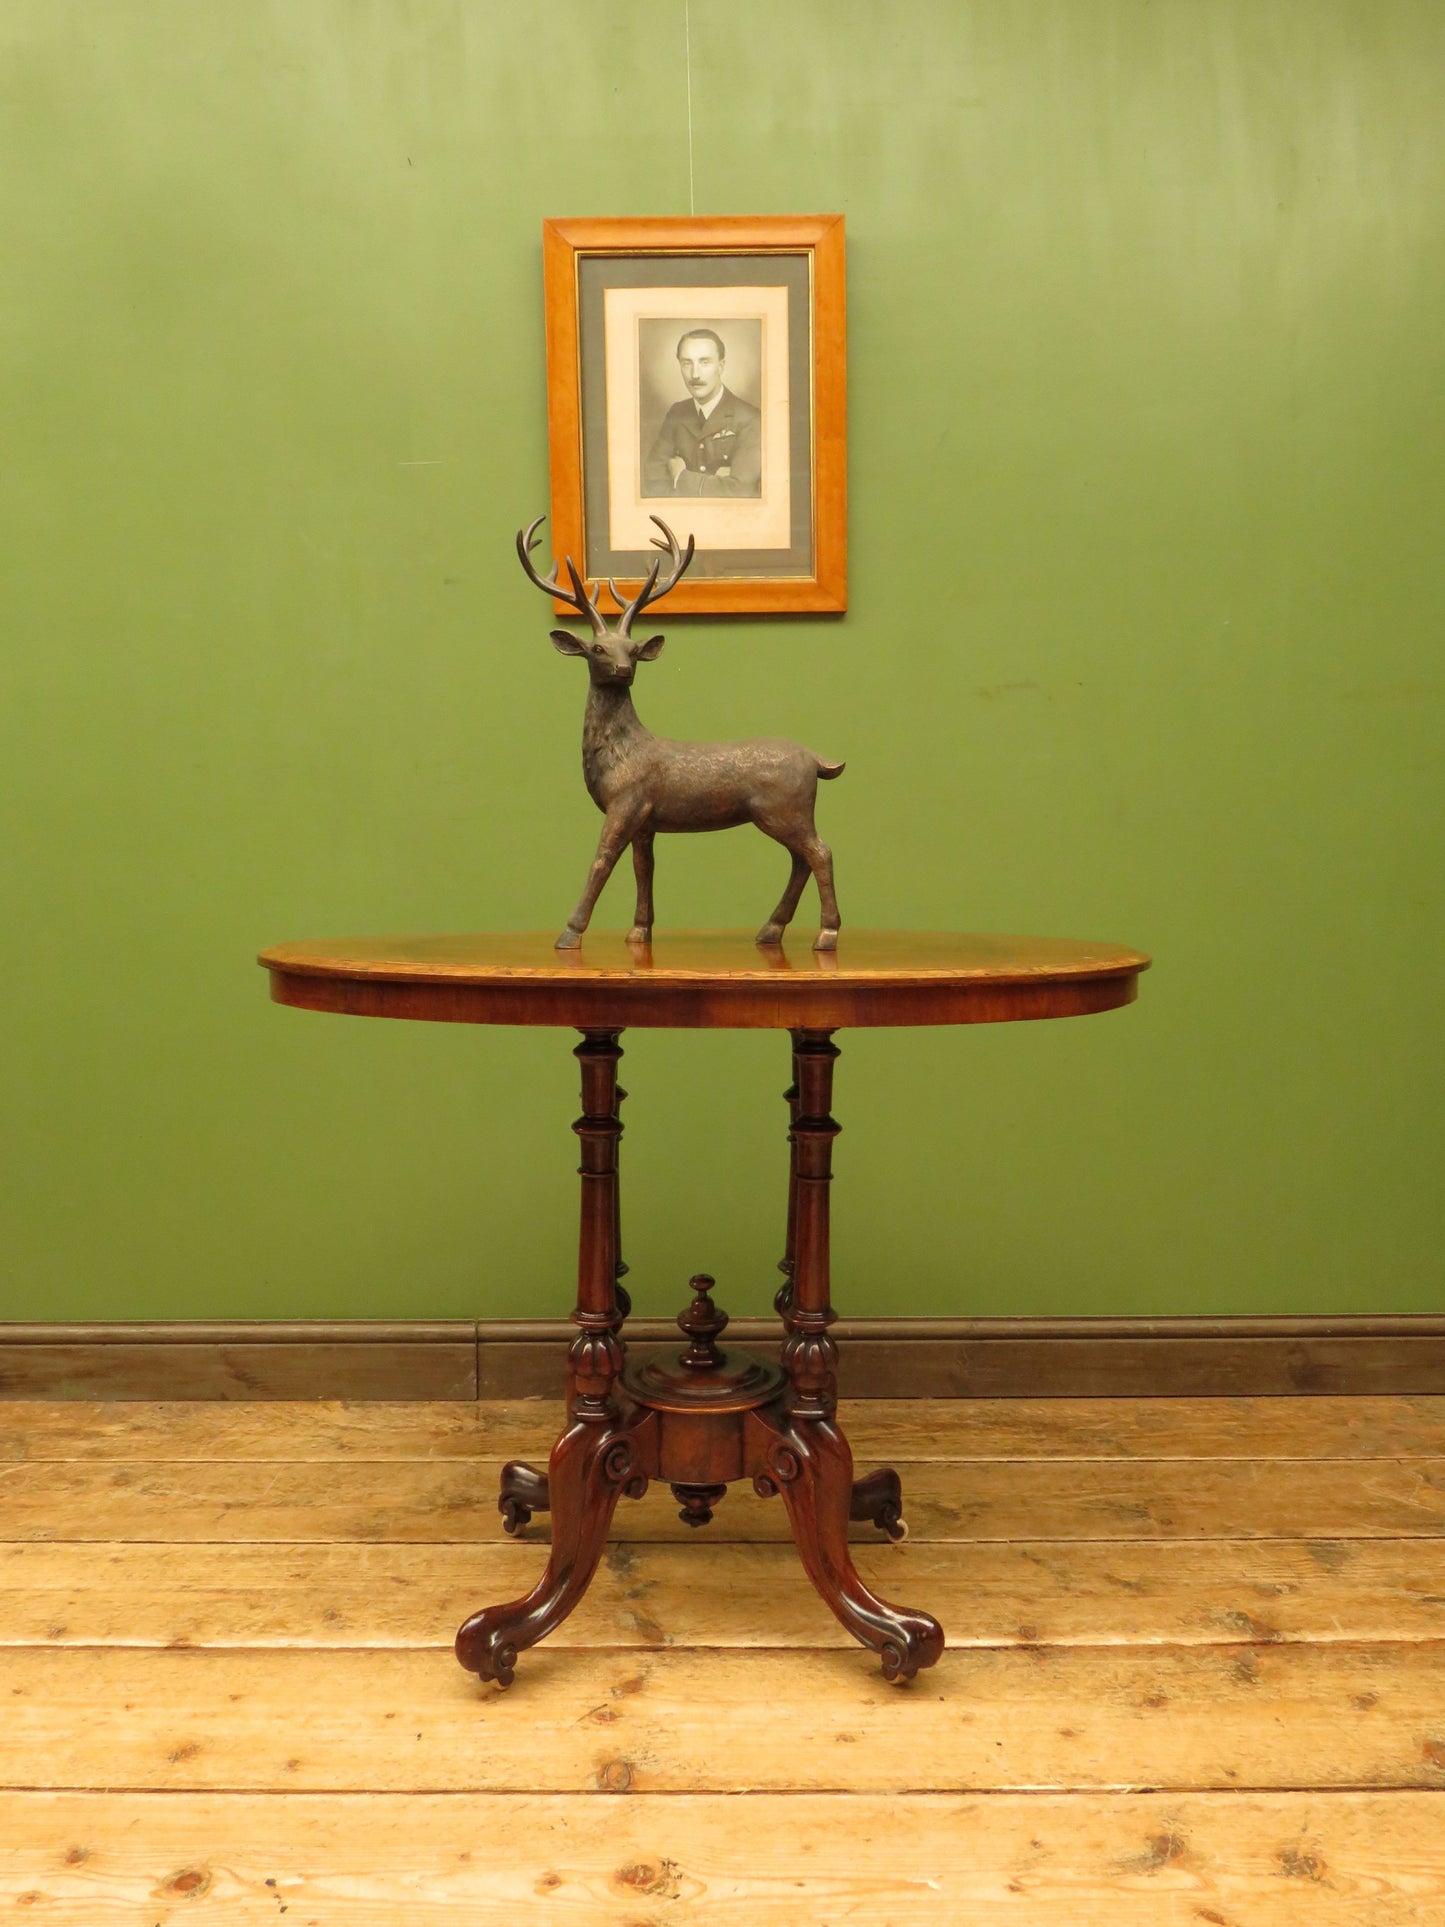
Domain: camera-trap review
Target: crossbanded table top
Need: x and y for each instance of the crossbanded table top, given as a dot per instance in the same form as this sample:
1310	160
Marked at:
704	979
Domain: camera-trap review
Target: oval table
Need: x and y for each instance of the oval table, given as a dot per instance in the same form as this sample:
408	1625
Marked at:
713	1414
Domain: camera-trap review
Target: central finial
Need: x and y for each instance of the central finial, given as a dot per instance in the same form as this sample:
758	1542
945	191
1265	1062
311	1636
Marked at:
702	1324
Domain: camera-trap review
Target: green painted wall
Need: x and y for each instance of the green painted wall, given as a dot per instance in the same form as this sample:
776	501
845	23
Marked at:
1146	398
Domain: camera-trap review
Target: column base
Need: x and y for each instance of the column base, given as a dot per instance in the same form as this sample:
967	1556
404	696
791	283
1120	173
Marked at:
700	1421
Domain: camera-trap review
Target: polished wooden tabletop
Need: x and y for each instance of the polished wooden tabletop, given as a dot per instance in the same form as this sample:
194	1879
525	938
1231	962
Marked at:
706	979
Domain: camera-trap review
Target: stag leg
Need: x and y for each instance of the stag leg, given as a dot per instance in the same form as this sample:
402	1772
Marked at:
820	861
616	835
641	931
777	923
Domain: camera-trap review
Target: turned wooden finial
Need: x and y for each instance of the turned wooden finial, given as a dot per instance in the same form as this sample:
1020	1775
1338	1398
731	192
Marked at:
702	1324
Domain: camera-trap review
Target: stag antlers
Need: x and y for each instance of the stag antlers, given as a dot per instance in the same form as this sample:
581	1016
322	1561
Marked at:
585	601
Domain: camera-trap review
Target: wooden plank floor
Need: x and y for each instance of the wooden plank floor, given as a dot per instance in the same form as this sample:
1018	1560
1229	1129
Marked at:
1196	1672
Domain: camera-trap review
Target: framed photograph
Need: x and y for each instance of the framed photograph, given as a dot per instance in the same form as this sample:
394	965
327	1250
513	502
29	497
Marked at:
696	372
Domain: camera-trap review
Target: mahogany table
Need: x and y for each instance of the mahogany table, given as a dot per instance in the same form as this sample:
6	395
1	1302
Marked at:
710	1415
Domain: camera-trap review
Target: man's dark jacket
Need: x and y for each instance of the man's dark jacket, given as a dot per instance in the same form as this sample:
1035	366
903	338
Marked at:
724	454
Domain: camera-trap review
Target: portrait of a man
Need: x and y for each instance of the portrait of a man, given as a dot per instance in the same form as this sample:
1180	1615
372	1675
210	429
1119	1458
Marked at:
709	442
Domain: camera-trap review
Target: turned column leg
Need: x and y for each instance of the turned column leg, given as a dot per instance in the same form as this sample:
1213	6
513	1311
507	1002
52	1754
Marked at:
624	1301
784	1296
795	1447
523	1489
810	1358
606	1450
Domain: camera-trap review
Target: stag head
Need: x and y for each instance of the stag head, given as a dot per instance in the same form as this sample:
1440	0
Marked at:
612	655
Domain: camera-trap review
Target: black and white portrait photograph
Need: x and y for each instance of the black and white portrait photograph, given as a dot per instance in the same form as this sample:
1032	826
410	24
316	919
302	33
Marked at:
698	408
700	395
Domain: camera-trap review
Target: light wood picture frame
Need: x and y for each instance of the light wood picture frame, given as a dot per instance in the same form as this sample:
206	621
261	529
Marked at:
696	371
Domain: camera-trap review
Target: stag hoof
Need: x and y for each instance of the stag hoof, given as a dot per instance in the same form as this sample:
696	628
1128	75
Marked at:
570	939
640	933
826	940
771	933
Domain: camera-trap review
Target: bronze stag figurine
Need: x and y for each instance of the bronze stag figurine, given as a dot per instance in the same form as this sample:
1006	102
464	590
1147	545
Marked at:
644	783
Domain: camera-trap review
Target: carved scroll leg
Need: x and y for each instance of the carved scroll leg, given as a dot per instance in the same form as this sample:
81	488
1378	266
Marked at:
809	1462
879	1498
523	1492
590	1468
607	1447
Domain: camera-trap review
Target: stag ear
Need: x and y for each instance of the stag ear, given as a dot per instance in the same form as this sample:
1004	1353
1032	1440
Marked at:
650	650
565	644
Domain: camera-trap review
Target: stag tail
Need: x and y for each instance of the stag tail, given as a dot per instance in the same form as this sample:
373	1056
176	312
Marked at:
827	771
